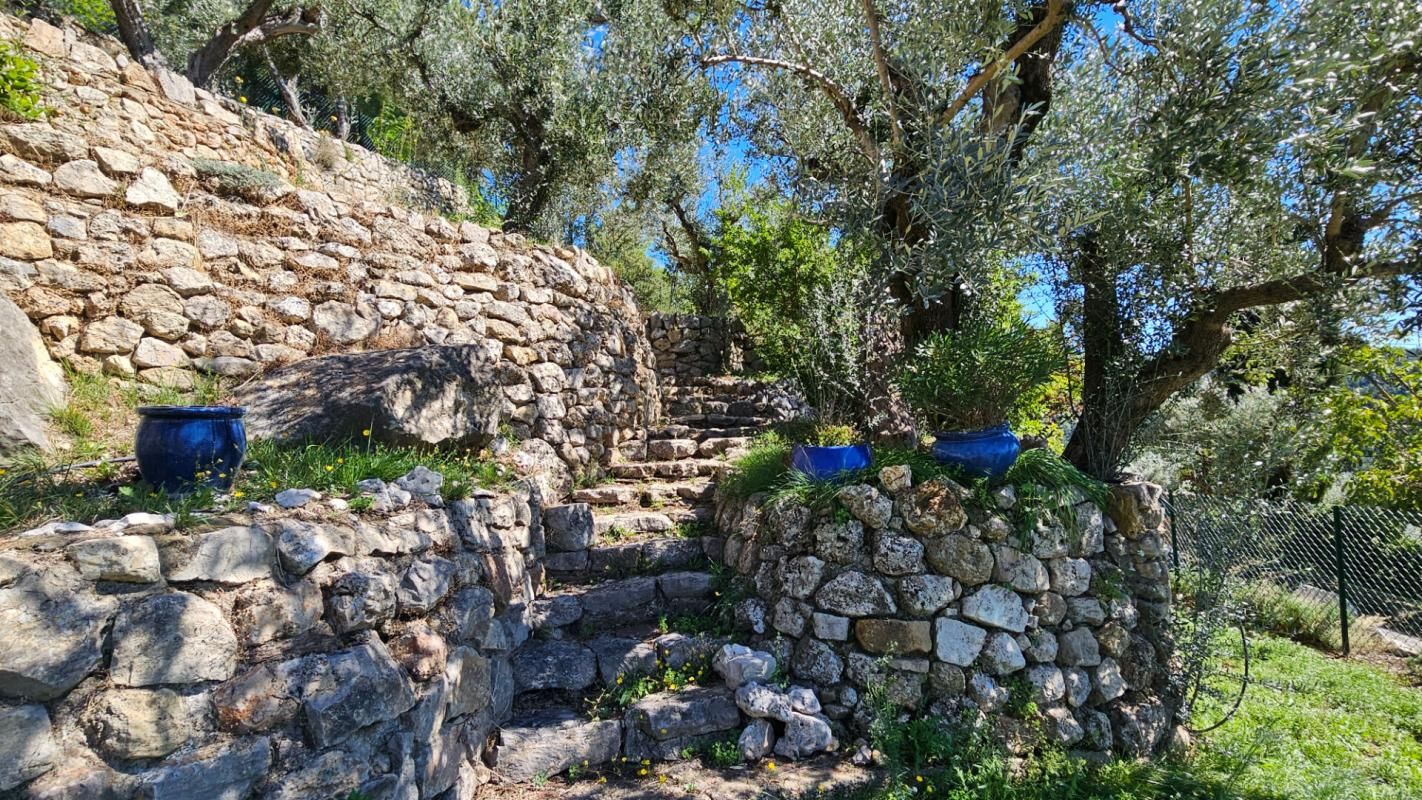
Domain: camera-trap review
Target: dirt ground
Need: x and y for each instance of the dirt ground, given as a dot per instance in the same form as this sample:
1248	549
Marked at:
690	779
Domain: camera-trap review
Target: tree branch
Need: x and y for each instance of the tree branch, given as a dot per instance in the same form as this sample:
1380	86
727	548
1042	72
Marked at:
1056	14
252	26
881	65
836	94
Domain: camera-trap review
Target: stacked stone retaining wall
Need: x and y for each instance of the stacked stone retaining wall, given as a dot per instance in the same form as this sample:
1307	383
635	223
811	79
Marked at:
948	606
137	236
694	346
298	654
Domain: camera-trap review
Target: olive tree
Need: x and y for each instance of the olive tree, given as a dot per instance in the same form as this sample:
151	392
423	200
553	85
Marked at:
207	33
1228	156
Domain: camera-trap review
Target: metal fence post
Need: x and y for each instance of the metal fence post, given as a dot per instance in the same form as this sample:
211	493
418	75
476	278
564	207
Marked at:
1338	550
1174	541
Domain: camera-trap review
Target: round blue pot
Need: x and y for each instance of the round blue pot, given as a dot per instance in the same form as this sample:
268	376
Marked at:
823	463
181	448
983	453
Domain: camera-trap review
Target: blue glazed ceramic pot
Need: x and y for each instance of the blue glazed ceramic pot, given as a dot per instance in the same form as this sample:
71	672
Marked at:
181	448
983	453
823	463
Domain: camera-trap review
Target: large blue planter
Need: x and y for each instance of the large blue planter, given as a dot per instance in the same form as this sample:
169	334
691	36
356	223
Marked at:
181	448
823	463
984	453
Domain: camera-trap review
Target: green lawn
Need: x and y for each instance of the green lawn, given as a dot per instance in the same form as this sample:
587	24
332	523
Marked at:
1311	728
1318	727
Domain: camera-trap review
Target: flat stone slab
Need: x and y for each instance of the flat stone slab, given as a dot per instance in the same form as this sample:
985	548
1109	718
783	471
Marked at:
549	742
553	665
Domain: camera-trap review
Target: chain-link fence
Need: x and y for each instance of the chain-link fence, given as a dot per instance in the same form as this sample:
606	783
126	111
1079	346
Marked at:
1344	578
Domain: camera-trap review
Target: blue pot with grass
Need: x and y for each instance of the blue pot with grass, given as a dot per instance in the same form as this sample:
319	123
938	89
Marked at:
182	448
982	453
823	463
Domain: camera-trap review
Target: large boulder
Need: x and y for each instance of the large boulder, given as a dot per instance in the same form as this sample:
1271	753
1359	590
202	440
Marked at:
419	396
33	383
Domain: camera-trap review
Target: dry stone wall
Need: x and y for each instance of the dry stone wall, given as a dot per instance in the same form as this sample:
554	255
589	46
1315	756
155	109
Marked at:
694	346
138	244
297	654
952	607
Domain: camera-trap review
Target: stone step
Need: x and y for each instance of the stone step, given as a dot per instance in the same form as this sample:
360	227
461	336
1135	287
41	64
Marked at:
686	468
650	555
729	446
578	612
644	495
549	741
702	434
671	449
722	421
632	522
733	408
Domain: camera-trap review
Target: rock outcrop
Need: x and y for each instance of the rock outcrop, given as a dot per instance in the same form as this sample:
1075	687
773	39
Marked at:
33	383
436	395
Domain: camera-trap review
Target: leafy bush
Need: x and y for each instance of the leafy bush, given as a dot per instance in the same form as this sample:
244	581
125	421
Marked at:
821	434
20	85
976	376
96	16
830	363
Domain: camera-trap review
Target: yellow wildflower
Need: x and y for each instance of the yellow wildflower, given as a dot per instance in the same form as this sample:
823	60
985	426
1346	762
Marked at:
365	432
642	772
242	98
770	765
329	467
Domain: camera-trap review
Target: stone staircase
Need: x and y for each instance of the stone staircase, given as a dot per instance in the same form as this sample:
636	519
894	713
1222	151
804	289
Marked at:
624	557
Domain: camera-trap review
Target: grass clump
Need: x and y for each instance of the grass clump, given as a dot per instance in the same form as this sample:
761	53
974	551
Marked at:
629	688
20	85
336	468
764	465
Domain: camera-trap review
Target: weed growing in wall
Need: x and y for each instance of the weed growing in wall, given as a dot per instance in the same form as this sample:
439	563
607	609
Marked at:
20	85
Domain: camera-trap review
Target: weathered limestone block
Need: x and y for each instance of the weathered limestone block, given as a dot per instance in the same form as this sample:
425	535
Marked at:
996	606
127	559
230	556
139	723
171	639
53	628
933	508
229	770
33	383
362	599
926	595
894	636
549	742
27	748
866	504
554	665
968	561
957	642
855	594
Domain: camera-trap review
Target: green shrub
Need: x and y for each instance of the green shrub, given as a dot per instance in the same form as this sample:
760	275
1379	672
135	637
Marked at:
96	16
977	376
20	86
233	179
821	434
765	463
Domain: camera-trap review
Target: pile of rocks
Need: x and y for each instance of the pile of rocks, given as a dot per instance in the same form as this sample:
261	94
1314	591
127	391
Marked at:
802	730
292	653
948	605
